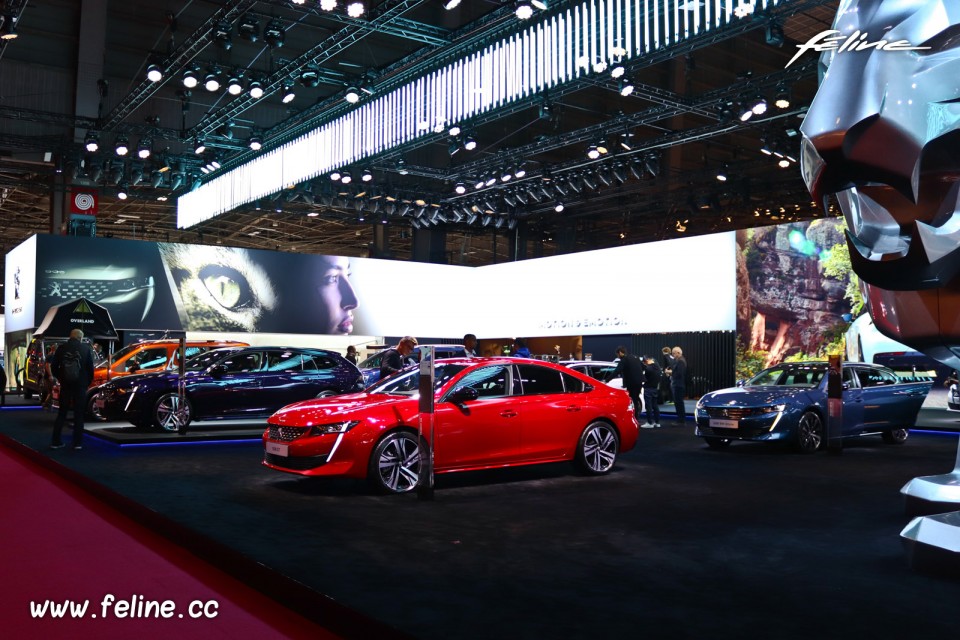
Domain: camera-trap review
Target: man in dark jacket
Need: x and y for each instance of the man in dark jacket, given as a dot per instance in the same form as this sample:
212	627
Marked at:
678	384
397	358
630	368
651	390
73	389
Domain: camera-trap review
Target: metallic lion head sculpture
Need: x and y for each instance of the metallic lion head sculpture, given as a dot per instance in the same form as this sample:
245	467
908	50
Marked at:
883	137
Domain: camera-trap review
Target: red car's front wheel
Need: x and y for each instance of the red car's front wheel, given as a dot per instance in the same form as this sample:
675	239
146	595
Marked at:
395	463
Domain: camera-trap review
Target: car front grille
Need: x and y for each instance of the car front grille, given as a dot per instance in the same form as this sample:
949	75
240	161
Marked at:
296	463
737	413
286	434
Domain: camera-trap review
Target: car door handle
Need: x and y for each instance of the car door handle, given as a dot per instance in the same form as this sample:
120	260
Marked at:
573	407
508	414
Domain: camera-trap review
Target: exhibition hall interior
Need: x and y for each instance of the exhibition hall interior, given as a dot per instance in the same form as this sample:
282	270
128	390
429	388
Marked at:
479	319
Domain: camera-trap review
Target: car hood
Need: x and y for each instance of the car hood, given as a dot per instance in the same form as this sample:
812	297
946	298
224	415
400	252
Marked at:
344	407
752	396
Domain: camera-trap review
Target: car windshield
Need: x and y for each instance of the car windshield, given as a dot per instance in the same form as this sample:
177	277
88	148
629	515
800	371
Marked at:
127	349
407	382
790	376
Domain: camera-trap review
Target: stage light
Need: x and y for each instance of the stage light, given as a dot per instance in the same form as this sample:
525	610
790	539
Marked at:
346	178
256	90
558	207
122	191
273	34
367	175
523	10
454	130
782	100
519	172
774	34
479	184
8	30
309	78
617	71
255	142
335	175
145	148
469	143
745	113
121	147
460	188
759	106
451	4
154	73
199	147
287	95
234	87
190	79
722	173
626	87
592	152
249	28
355	9
221	35
783	163
211	83
352	95
328	5
92	142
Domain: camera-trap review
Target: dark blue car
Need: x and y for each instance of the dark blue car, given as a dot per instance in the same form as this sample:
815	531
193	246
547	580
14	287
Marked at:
789	403
241	383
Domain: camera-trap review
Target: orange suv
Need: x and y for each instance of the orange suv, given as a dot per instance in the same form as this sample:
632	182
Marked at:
145	357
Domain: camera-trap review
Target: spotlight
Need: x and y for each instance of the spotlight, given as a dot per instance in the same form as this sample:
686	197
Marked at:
256	90
92	142
451	4
479	184
460	188
745	113
122	191
523	10
287	95
199	147
765	149
454	130
490	182
144	148
759	106
367	175
652	164
546	109
346	178
626	142
505	175
221	35
782	100
626	87
599	66
592	152
402	168
469	143
273	34
234	87
335	175
226	130
352	95
539	4
249	28
774	34
211	82
618	71
602	148
121	147
309	78
519	172
255	142
156	179
453	147
190	79
355	9
8	30
154	73
558	207
722	173
328	5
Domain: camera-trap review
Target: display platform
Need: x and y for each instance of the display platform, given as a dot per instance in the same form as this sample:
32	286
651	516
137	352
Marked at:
123	434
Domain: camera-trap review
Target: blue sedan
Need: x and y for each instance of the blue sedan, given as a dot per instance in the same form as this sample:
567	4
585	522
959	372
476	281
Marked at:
789	403
238	383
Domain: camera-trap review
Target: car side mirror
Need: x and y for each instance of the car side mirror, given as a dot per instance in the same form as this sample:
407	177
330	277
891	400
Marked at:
846	386
740	383
462	395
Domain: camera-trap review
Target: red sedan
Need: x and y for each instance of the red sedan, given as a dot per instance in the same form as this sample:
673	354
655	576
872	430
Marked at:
489	413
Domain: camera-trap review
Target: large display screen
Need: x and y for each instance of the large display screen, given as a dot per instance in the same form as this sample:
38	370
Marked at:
677	285
19	287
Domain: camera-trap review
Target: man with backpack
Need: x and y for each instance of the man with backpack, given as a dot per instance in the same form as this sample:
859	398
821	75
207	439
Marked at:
72	364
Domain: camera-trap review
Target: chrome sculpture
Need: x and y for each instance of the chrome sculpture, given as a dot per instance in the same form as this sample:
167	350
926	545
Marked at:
883	136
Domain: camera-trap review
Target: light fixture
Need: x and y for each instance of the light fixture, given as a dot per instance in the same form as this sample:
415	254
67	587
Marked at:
765	149
759	106
273	34
490	182
199	147
121	147
454	130
335	175
783	163
346	178
469	143
402	168
451	4
309	78
602	148
617	71
328	5
145	148
367	175
746	113
558	207
122	191
523	10
626	142
352	95
154	73
460	188
506	175
453	147
256	90
287	95
221	35
92	142
519	172
226	130
190	79
8	30
249	28
652	164
255	142
722	173
626	87
592	152
156	179
774	34
479	184
234	87
211	83
782	101
355	9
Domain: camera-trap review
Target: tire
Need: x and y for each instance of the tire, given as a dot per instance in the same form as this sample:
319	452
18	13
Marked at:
92	410
597	448
326	393
809	433
895	436
395	463
165	415
718	443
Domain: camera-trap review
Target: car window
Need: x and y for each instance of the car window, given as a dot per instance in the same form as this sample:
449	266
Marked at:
490	382
875	378
243	362
850	378
318	362
767	378
573	384
373	362
283	361
204	360
189	351
150	358
537	381
408	382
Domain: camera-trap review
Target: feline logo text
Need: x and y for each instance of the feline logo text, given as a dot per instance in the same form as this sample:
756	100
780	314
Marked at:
833	40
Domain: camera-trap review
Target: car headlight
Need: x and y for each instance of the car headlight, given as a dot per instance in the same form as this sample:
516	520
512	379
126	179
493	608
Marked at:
334	427
776	408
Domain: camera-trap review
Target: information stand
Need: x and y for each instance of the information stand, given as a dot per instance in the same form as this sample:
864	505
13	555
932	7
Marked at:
425	484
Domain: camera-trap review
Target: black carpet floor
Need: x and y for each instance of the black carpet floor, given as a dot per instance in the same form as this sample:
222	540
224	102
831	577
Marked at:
679	541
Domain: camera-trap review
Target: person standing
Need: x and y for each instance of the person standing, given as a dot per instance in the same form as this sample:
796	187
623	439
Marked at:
630	368
520	349
72	364
651	390
470	345
395	359
3	384
678	390
352	354
666	361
